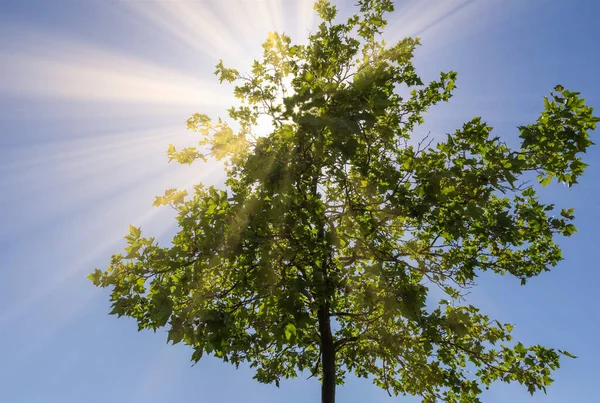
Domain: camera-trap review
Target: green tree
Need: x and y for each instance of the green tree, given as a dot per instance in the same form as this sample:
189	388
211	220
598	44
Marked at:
320	253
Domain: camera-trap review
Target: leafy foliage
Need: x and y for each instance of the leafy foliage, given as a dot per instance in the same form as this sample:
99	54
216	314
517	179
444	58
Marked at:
323	247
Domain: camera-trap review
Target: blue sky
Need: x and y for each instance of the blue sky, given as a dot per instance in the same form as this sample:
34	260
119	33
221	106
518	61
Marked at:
91	94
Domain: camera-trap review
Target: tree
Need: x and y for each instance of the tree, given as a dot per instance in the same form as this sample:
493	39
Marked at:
333	235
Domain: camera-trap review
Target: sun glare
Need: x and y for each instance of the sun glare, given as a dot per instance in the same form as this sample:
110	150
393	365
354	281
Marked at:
95	177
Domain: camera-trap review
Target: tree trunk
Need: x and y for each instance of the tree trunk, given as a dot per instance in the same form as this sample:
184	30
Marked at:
327	356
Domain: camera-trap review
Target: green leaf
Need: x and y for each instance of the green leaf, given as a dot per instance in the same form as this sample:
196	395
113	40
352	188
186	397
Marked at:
567	354
175	334
289	330
95	277
135	232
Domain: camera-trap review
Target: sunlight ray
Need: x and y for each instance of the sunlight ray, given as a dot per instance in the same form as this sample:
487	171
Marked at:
81	149
441	19
47	66
434	21
212	29
266	15
105	225
251	23
246	28
78	170
411	17
195	25
306	19
53	179
276	7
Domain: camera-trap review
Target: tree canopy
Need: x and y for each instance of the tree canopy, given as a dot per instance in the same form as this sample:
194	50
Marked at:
326	249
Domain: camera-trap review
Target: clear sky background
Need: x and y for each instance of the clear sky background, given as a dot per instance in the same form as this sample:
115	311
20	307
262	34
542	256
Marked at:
93	91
